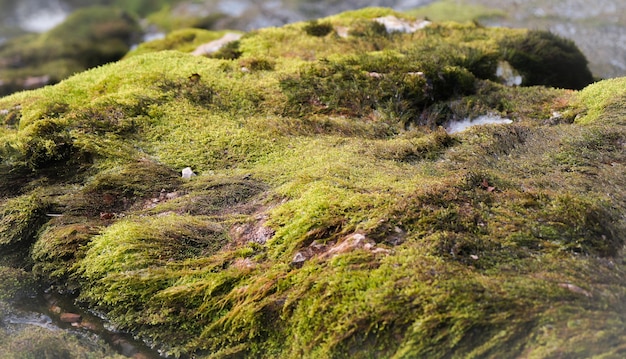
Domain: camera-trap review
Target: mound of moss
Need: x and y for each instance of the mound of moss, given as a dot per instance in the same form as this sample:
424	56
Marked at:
331	214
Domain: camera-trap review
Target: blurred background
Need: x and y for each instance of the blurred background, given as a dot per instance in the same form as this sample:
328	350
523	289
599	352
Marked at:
44	41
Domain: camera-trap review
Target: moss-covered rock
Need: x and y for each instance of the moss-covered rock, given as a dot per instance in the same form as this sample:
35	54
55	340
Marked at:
16	285
332	215
546	59
35	342
87	38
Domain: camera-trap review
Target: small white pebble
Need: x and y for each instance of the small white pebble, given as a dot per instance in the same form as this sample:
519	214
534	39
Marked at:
187	172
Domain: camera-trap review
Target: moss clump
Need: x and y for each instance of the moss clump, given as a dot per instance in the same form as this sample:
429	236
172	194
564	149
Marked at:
21	219
331	214
602	102
59	247
547	59
387	82
16	285
35	342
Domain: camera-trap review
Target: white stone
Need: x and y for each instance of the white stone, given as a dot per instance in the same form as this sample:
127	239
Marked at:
214	46
342	31
489	119
187	172
393	24
299	258
508	74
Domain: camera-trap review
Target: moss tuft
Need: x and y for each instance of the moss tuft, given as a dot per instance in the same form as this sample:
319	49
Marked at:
547	59
331	214
16	285
21	219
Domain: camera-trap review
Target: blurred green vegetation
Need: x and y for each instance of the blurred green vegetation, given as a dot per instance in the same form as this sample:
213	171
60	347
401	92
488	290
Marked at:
87	38
453	10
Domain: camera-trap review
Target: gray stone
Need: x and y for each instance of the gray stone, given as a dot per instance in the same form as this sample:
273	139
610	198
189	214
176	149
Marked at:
298	260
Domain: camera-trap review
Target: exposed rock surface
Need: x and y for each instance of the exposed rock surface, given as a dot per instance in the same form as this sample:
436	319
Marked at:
215	45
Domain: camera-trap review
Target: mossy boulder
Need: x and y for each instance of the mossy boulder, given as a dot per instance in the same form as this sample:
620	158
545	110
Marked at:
547	59
186	40
35	342
87	38
16	285
332	215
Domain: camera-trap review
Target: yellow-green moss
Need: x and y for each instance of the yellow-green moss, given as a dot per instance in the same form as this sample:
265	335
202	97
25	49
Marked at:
603	101
410	242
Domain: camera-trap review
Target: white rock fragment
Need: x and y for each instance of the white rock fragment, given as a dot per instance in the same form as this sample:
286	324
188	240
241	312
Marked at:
298	260
187	172
489	119
575	289
213	46
508	74
393	24
342	31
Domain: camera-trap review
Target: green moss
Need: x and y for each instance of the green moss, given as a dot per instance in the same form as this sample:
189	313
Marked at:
16	285
331	214
163	15
602	100
35	342
546	59
21	219
59	247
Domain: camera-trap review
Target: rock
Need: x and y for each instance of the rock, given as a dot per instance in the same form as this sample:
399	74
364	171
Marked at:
379	250
32	82
70	317
214	46
575	289
350	243
341	31
317	246
252	232
507	74
489	119
89	326
298	260
243	263
187	173
393	24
